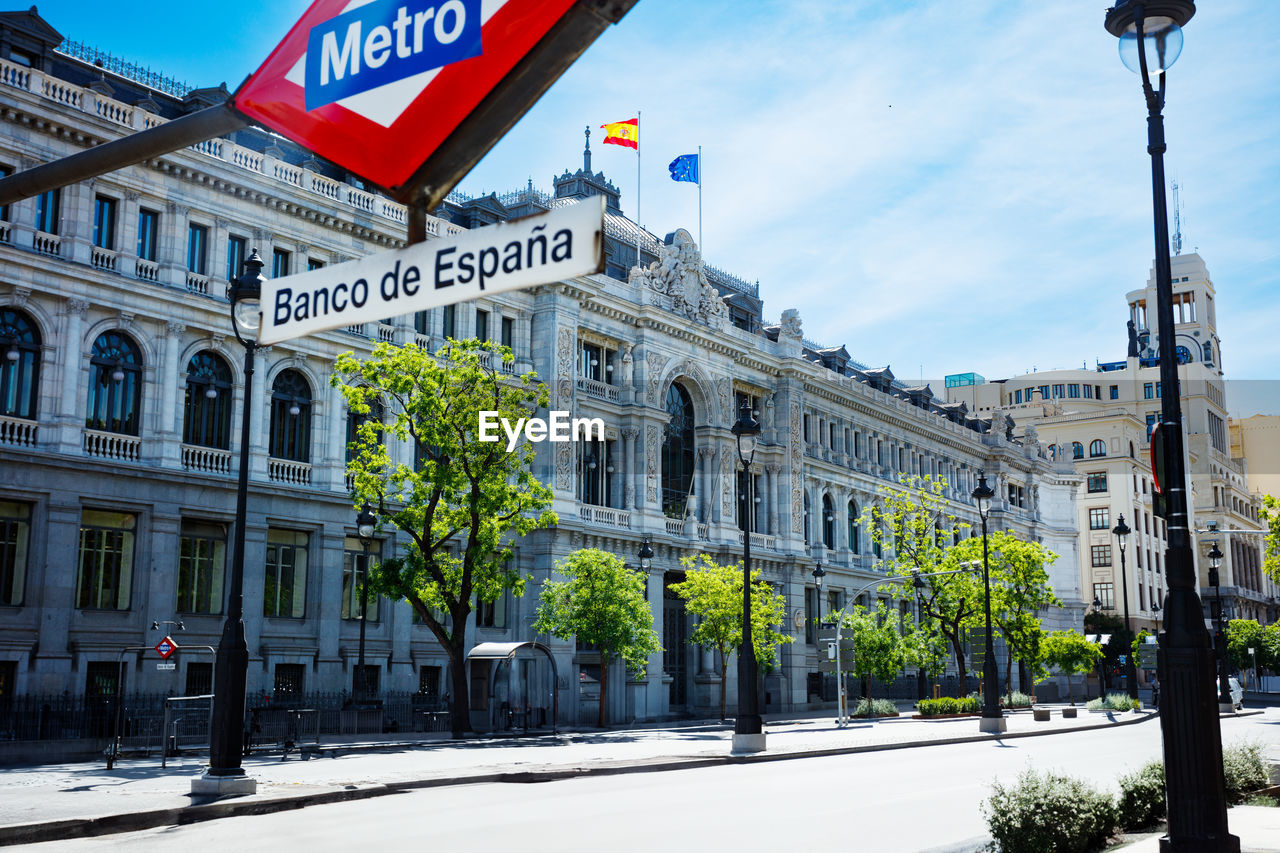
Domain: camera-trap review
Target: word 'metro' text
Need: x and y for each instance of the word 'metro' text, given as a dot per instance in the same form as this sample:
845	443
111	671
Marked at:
558	426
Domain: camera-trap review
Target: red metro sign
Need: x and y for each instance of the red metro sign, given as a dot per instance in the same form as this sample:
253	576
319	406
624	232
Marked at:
409	94
166	647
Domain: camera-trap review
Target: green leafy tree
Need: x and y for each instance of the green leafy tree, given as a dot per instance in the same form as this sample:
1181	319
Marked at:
910	526
1242	635
1271	550
460	501
603	603
1121	640
1019	589
878	648
1071	653
926	649
713	593
1269	650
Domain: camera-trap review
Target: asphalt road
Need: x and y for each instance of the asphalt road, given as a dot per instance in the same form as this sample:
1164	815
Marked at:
901	800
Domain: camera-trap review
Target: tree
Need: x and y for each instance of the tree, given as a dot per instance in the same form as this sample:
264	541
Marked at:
1271	550
602	603
1242	635
878	648
926	649
461	501
1071	653
713	593
1119	642
909	523
1019	589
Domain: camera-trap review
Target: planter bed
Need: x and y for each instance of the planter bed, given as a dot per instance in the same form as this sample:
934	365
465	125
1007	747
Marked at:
872	717
944	716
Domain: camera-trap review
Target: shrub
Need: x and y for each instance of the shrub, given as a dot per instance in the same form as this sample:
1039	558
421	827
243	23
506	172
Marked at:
877	708
1243	770
1048	813
1017	699
1142	797
1114	702
947	705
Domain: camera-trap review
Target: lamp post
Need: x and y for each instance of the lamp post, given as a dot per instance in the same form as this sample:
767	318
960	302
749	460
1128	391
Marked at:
992	716
1150	34
366	521
226	725
748	730
818	574
1219	635
646	555
1121	531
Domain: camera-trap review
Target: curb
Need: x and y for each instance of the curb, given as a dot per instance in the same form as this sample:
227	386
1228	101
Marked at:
30	833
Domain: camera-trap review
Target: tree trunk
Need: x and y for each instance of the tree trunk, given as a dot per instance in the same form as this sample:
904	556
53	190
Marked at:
1071	697
954	639
724	681
604	690
460	706
1008	672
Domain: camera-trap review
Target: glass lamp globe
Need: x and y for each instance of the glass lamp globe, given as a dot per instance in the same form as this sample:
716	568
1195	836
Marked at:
211	393
247	313
1162	43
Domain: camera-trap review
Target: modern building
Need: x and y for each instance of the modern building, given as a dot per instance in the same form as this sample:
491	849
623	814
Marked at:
122	381
1100	421
1256	440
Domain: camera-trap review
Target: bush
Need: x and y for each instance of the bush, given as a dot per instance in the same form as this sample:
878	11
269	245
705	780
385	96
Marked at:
878	708
1114	702
1142	797
946	705
1017	699
1243	770
1048	813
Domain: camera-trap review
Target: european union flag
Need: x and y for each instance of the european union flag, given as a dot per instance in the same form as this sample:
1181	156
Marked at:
685	168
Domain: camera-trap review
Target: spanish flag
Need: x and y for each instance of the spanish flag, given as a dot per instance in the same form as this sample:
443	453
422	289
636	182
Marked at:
625	133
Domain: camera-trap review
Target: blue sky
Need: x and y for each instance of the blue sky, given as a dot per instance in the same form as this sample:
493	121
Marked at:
940	186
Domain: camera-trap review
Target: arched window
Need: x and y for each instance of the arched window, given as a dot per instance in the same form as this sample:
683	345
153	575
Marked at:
1053	451
20	366
291	417
1077	450
1097	447
1183	354
115	384
806	517
354	422
854	528
677	452
828	523
877	544
207	412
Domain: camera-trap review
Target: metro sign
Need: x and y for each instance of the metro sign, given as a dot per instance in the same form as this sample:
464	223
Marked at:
380	87
166	647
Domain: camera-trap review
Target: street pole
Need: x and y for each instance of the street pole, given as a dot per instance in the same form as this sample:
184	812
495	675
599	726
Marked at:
748	729
1121	530
992	720
1225	705
1195	791
366	522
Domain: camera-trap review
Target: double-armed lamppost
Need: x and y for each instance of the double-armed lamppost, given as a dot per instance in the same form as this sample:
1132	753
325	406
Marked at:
1219	634
748	730
226	726
992	715
366	522
1121	531
1150	34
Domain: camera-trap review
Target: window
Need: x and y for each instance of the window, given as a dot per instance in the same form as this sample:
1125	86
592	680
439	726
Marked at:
291	417
805	428
15	533
1099	518
595	470
1017	396
1096	482
199	678
105	573
207	411
235	256
314	264
1088	392
1105	593
449	316
1073	390
677	452
421	322
280	262
1059	391
5	171
1208	345
355	420
202	557
855	545
197	249
1157	390
19	364
285	578
429	683
104	222
354	571
1115	392
811	614
1101	555
115	384
102	678
1151	424
828	523
1077	450
482	325
1148	391
508	332
48	211
288	680
148	233
492	614
1097	448
806	515
1044	392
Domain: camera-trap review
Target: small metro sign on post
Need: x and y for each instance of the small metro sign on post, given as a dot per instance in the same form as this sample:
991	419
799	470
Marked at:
166	647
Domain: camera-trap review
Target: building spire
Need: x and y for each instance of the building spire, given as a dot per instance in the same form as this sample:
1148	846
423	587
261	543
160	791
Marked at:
586	154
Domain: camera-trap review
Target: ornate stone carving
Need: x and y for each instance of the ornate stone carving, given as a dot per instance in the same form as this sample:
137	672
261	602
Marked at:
727	412
628	366
727	465
564	466
791	323
126	320
564	366
79	307
654	362
651	463
174	328
680	284
797	471
132	195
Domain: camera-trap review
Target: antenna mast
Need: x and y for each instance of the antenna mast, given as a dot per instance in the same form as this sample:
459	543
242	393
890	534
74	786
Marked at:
1177	221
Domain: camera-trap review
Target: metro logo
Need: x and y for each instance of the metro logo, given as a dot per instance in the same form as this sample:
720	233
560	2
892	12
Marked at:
385	41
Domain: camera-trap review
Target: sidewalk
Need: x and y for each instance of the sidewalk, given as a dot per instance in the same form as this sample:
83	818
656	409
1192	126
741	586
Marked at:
74	800
1257	827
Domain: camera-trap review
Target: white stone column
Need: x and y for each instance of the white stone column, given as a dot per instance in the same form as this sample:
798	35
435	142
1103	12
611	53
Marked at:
336	411
170	373
70	410
259	414
771	497
628	468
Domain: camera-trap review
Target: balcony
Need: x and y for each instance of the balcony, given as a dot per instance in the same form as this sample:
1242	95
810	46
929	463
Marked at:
47	244
209	460
598	389
605	516
17	431
104	259
289	472
761	540
198	284
112	445
147	270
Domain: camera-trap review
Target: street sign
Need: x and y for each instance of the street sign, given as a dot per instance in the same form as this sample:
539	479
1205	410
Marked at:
167	666
382	87
827	652
1148	653
561	244
166	647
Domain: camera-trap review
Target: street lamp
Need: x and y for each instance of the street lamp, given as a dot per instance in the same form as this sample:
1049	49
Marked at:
366	521
1121	531
992	716
646	555
1155	608
1219	635
748	730
818	574
226	724
1150	32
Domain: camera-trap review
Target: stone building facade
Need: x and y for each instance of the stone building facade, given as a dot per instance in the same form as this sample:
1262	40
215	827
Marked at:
117	446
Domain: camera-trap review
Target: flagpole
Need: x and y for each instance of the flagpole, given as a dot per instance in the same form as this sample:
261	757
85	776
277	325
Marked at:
638	226
701	246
